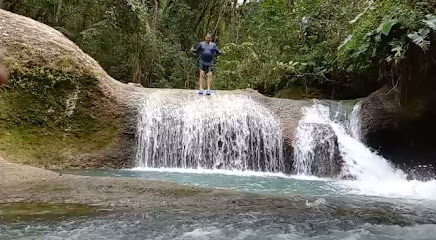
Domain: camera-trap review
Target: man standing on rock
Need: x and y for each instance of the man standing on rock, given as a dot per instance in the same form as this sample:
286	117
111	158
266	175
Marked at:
4	75
206	51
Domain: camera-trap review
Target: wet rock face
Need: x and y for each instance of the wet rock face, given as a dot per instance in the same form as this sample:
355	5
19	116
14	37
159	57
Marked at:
379	112
317	151
403	133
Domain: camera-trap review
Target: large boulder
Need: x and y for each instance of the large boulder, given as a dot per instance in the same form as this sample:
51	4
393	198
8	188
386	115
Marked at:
60	108
403	133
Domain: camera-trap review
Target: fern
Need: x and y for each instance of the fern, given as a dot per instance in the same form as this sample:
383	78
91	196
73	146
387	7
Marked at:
420	38
430	21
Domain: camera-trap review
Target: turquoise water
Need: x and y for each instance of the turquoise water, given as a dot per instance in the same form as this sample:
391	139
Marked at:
322	210
276	184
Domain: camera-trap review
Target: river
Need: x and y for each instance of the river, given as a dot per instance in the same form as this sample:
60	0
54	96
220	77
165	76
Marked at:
240	149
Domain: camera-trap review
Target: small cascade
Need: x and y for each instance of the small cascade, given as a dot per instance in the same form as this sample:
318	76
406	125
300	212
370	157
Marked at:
317	152
354	123
358	161
228	132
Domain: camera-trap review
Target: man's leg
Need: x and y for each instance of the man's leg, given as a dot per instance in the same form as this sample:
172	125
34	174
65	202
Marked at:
209	80
200	81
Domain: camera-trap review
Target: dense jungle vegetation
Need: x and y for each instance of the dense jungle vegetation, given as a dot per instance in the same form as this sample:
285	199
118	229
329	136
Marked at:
288	48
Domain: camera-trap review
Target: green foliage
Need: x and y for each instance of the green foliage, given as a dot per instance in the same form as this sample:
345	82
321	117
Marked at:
385	32
269	45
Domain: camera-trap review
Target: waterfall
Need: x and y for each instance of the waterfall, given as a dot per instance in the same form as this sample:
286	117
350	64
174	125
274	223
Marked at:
317	152
354	121
359	161
226	132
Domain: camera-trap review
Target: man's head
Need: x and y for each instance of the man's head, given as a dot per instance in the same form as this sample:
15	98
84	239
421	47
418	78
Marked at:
208	38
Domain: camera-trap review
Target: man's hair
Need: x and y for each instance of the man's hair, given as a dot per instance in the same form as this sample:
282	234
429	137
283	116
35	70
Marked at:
209	35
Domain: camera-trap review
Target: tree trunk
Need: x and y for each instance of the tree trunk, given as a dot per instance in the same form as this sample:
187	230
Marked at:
214	5
58	12
290	4
155	13
203	13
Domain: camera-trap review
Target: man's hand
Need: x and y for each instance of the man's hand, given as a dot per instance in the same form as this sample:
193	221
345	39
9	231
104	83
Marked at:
193	49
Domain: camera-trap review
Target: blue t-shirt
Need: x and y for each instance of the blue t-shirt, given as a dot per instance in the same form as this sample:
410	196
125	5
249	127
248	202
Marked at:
206	52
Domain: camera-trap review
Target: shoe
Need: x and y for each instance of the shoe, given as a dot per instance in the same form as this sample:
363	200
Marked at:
208	92
200	91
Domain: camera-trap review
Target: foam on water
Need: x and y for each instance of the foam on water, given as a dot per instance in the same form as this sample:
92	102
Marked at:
393	189
229	173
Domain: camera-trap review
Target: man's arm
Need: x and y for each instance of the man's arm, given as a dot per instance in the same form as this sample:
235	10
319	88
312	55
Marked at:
197	49
217	51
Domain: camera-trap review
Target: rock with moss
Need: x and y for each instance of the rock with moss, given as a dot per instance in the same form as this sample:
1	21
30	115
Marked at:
60	109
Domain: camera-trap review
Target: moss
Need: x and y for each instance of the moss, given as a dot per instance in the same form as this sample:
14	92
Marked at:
49	116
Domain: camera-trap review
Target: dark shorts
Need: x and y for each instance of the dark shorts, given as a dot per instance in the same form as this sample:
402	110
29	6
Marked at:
206	67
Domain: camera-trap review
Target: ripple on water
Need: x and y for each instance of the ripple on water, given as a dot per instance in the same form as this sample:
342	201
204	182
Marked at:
242	227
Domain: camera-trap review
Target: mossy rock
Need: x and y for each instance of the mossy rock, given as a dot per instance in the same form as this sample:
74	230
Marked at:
49	118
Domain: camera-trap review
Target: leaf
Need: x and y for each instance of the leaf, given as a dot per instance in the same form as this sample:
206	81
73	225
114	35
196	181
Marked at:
430	21
386	27
399	50
419	38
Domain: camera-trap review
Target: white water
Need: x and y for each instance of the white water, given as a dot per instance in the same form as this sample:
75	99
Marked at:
359	161
241	173
234	135
315	151
374	175
228	132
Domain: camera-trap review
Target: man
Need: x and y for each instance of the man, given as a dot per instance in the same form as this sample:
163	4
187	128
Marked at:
4	75
206	51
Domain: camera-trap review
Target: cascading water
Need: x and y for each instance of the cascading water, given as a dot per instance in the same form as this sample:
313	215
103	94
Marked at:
228	132
316	152
359	162
372	174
